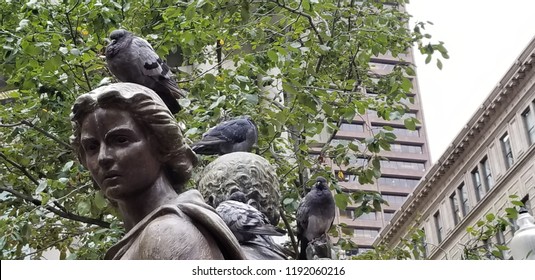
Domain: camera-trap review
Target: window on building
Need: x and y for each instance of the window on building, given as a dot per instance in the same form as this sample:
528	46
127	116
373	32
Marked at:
438	226
463	198
388	216
527	203
478	186
529	124
500	240
407	165
394	198
348	177
403	148
354	127
398	182
372	216
421	245
399	131
357	160
365	232
487	173
335	142
348	213
455	209
507	150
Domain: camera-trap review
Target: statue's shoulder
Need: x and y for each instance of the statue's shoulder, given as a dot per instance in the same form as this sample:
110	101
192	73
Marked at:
191	203
176	237
164	224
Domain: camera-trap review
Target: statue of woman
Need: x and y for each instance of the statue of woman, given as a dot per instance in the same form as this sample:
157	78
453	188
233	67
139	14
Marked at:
133	147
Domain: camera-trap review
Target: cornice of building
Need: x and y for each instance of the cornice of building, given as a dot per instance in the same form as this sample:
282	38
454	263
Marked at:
457	148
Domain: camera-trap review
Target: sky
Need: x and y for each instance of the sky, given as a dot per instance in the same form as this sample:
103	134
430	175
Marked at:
483	39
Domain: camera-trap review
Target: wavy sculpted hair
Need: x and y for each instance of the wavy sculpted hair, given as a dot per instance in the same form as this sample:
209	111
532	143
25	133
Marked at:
148	110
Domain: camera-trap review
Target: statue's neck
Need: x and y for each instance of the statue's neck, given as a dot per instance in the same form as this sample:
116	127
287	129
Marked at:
135	208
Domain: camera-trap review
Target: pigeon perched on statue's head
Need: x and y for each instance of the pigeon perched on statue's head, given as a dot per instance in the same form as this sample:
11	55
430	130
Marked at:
132	59
315	214
236	135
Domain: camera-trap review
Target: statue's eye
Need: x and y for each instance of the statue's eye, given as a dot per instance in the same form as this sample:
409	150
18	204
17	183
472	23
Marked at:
90	147
121	140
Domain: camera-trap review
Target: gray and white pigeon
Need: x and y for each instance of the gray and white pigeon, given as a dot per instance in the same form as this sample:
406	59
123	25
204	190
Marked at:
132	59
237	135
251	228
315	214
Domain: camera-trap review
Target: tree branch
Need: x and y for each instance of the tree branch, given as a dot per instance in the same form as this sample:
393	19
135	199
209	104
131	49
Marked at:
290	231
48	134
66	215
297	12
20	167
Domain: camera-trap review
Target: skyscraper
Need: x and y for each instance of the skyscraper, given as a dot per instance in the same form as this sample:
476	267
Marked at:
401	168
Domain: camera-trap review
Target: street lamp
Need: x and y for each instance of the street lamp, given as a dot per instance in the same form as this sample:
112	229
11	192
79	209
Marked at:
523	243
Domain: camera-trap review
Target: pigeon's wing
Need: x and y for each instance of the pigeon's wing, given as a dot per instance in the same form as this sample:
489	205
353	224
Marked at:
233	131
244	221
262	247
153	66
301	217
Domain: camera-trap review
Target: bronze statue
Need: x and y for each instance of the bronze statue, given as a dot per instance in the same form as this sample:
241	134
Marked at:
133	147
246	172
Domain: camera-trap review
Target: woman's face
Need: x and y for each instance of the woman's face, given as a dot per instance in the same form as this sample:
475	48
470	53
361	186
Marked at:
118	154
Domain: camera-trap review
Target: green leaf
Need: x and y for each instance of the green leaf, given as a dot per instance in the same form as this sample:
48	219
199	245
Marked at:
517	203
341	200
83	208
288	200
273	56
42	186
409	123
99	201
439	64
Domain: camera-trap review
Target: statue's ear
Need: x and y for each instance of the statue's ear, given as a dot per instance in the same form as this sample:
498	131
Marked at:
153	144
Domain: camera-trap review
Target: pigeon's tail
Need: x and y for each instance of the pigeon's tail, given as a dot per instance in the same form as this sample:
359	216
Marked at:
169	92
171	102
204	149
175	91
267	242
303	251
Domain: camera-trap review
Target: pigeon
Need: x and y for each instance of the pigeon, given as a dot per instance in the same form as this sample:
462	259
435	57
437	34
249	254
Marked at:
132	59
237	135
245	221
315	215
251	228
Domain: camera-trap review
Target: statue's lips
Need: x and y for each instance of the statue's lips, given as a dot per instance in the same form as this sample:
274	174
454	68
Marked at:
111	177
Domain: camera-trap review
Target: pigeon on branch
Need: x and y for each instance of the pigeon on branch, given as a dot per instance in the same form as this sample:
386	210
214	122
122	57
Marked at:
315	215
132	59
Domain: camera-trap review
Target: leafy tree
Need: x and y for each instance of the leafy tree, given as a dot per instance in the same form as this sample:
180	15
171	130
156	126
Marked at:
300	68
